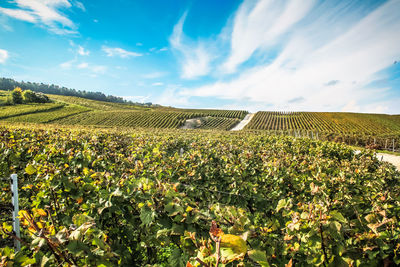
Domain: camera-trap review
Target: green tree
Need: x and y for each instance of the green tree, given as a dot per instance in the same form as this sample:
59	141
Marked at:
29	96
17	95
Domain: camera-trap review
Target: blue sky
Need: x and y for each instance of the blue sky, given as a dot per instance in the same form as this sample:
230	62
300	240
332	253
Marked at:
250	54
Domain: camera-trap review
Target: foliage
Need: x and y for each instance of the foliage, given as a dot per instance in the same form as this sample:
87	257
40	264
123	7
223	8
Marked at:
16	95
32	97
97	197
10	84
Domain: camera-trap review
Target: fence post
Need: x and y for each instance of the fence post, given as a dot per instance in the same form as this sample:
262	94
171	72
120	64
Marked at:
393	145
15	204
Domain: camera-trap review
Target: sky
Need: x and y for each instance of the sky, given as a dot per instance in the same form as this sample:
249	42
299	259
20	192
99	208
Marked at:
279	55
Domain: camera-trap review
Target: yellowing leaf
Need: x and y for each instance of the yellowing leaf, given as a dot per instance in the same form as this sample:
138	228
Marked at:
79	200
233	248
189	209
30	169
41	212
29	186
235	242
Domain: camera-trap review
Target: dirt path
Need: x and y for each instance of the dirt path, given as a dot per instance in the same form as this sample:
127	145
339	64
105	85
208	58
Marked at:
395	160
243	123
192	123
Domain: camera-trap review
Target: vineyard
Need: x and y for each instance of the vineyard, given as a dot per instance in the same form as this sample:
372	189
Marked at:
19	110
220	123
47	116
375	130
184	198
223	120
339	122
69	110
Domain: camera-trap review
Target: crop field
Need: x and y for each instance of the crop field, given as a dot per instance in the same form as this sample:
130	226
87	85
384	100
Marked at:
339	122
219	123
378	131
69	110
151	119
47	116
94	104
19	110
169	197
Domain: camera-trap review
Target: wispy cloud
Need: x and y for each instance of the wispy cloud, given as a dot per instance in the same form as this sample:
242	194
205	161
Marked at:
82	51
83	65
119	52
326	57
195	58
157	84
260	25
3	56
19	14
154	75
44	13
79	5
67	64
92	68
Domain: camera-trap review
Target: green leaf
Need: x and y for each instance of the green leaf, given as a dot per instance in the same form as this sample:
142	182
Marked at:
80	219
146	216
30	169
338	216
281	204
259	256
176	258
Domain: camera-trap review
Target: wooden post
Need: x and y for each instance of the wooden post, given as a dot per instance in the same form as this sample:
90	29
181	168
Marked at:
393	145
385	143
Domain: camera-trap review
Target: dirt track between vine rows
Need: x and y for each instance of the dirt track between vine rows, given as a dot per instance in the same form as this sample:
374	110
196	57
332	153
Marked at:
395	160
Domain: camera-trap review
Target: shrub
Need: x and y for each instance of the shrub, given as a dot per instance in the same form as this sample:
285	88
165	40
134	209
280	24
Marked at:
17	95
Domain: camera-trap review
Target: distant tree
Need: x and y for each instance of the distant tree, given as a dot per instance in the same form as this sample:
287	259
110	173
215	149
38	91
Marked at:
29	96
32	97
17	95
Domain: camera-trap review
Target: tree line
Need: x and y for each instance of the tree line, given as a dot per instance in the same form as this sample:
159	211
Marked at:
10	84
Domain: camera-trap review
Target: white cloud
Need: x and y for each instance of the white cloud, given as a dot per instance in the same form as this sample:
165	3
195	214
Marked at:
3	56
137	98
154	75
19	14
43	12
196	58
67	64
99	69
119	52
157	84
328	61
83	65
80	5
92	68
260	25
82	51
171	97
